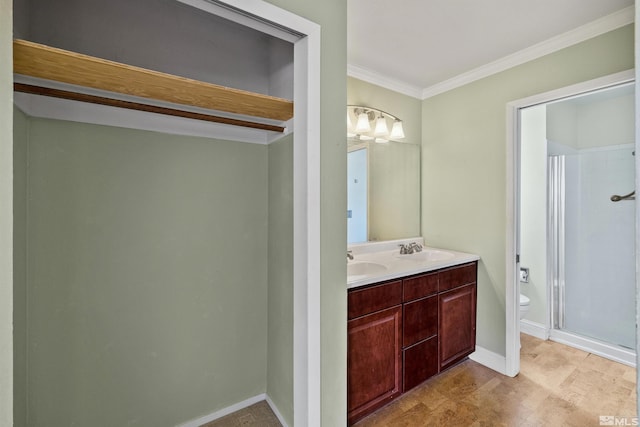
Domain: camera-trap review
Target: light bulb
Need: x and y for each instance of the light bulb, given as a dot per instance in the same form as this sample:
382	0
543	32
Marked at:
363	123
350	133
381	127
396	131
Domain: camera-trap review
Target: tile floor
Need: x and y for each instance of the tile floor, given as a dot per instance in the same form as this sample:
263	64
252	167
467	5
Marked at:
557	386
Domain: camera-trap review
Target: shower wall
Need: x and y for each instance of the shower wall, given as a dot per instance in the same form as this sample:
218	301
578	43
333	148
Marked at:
585	127
599	242
533	210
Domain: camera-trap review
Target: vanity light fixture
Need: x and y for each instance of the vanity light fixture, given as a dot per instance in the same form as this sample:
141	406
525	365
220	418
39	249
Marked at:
372	124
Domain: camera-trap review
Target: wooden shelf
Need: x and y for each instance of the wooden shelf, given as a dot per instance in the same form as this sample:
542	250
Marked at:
45	62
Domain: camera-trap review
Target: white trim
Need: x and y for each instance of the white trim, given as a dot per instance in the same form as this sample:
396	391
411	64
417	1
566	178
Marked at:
600	26
384	81
512	288
534	329
599	348
577	89
512	294
237	407
488	358
306	231
225	411
585	32
259	11
637	223
276	411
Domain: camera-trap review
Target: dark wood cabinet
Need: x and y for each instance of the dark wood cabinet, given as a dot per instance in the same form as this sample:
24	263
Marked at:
420	362
403	332
457	331
420	329
374	362
420	320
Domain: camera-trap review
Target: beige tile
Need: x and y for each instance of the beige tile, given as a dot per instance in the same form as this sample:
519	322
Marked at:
557	386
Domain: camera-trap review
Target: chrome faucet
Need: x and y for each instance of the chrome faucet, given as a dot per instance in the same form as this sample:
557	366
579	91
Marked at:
350	255
410	248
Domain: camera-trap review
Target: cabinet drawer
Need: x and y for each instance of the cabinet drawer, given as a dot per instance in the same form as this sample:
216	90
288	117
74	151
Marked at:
457	276
419	320
374	298
420	286
420	363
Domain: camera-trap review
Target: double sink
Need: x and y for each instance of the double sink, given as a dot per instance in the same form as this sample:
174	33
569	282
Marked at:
376	262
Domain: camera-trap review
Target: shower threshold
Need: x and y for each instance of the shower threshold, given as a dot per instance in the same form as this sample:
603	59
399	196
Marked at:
613	352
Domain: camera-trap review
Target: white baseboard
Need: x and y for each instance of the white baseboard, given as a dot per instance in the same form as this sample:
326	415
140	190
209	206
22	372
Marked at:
275	410
534	329
228	410
490	359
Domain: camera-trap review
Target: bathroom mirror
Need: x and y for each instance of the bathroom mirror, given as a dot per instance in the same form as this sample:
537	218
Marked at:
383	188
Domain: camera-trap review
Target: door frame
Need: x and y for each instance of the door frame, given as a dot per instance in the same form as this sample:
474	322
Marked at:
512	295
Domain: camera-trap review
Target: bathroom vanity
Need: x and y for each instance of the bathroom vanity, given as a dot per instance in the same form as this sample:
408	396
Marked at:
406	329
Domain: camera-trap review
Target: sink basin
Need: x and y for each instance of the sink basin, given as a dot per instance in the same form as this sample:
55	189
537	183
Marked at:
427	255
358	269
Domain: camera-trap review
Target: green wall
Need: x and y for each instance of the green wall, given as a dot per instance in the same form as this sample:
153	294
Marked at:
280	295
147	293
331	15
464	160
6	214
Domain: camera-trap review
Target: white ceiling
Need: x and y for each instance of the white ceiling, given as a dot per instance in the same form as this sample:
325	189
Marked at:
418	46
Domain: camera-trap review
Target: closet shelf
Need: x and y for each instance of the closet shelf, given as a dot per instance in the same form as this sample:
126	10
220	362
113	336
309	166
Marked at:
45	62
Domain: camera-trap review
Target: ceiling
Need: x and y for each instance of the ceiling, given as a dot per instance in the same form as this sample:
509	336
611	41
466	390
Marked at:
420	46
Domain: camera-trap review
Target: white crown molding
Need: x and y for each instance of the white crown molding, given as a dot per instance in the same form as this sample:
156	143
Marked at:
384	81
595	28
585	32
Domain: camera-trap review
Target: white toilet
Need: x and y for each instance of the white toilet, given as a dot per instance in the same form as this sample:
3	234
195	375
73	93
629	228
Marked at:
524	305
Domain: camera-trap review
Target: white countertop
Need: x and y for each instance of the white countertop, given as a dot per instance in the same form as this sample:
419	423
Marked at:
380	261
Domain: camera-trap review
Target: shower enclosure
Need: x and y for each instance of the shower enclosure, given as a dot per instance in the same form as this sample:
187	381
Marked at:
591	254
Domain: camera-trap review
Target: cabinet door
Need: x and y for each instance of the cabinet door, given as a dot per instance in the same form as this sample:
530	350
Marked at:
457	332
374	352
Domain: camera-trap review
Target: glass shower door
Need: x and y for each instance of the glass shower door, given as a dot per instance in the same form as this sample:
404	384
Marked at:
595	292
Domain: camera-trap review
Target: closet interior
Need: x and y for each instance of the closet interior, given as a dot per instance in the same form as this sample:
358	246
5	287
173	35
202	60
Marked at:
153	157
